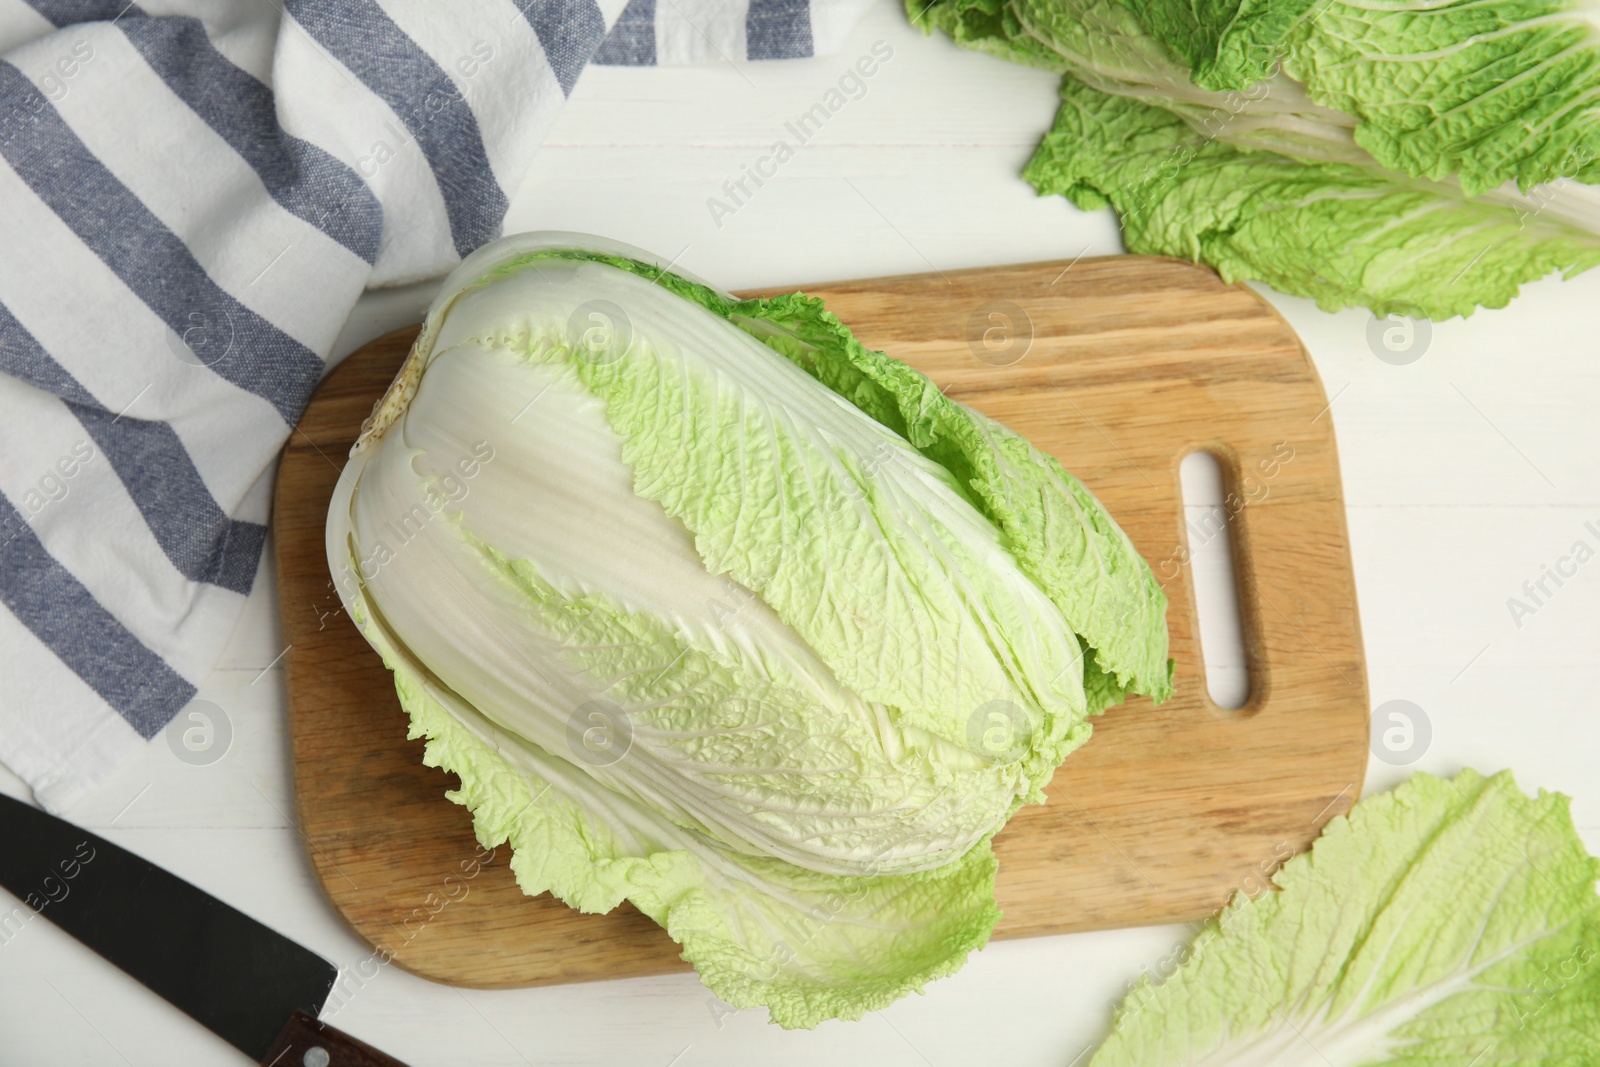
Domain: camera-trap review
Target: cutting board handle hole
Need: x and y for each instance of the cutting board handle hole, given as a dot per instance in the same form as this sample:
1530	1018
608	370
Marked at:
1213	566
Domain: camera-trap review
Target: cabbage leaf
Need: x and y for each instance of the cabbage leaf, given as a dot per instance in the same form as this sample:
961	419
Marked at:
1340	233
1420	157
1452	921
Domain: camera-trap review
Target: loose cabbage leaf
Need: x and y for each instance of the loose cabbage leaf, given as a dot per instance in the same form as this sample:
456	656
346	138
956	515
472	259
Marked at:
1447	922
1338	233
1483	93
1424	157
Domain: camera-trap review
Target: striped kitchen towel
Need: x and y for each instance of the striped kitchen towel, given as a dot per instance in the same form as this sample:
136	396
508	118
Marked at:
192	197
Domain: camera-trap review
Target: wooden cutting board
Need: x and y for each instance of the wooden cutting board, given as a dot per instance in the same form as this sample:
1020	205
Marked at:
1119	367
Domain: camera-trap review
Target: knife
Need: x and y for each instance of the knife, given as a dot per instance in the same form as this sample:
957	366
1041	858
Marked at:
249	985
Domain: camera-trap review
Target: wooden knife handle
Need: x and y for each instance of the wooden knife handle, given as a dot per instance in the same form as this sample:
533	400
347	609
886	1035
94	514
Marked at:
308	1042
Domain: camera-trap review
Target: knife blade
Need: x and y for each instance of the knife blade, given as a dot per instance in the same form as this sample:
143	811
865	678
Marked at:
246	983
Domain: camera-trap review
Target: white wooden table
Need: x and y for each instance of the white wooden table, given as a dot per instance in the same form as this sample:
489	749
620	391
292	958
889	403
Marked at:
1465	471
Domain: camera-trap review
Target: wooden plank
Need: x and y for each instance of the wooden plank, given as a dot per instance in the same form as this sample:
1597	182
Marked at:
1119	367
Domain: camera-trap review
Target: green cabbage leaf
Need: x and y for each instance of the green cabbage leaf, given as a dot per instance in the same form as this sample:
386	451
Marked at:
1452	921
1419	157
1344	234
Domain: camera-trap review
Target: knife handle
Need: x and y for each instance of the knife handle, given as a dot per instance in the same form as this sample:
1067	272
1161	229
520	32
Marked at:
308	1042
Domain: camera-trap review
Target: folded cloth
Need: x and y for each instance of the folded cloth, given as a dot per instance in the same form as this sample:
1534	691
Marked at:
191	201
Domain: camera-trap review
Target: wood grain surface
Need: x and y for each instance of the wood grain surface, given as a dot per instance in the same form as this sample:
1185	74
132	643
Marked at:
1119	367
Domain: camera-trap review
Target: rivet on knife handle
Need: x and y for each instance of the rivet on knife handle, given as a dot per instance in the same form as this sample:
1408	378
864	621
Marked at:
305	1042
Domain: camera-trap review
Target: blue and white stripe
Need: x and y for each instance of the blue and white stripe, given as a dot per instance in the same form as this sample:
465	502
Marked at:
191	201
